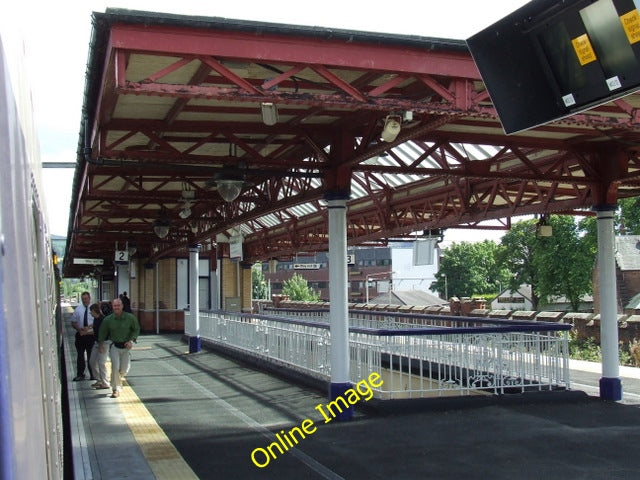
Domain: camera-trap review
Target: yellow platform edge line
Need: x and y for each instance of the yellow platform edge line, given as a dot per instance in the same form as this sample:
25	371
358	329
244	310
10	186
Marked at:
163	458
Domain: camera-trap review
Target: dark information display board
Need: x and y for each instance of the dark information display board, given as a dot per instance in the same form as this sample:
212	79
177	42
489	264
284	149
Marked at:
551	58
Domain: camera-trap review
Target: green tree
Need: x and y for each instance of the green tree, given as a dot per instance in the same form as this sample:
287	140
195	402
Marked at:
518	247
469	268
298	289
629	215
565	262
67	287
74	287
259	284
588	228
557	265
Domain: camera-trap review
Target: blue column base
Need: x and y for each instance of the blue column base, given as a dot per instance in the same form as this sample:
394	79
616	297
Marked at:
337	390
195	344
610	389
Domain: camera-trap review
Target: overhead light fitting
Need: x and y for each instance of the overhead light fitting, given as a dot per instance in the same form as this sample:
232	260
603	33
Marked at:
161	225
391	129
229	189
269	113
188	197
185	212
543	228
161	228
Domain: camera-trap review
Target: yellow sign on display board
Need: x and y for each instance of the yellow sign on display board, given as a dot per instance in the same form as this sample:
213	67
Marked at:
631	25
583	48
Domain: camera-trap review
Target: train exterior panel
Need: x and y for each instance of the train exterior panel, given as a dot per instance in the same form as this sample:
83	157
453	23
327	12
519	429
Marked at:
31	388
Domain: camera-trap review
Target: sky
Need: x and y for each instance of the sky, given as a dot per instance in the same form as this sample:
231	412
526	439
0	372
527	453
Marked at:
56	36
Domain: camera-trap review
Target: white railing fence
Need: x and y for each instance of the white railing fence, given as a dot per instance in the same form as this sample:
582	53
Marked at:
416	355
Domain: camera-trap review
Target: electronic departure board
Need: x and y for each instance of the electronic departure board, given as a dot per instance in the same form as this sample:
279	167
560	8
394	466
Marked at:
552	58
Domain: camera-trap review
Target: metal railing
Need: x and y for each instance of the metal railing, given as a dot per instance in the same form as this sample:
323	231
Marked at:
416	355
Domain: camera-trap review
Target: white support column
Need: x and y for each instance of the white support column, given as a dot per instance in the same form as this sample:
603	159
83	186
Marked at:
156	296
610	383
195	343
338	298
123	279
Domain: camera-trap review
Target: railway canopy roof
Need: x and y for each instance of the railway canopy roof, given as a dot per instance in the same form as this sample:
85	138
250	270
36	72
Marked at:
179	110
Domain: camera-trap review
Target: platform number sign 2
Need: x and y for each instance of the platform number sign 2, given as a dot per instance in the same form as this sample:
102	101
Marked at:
122	256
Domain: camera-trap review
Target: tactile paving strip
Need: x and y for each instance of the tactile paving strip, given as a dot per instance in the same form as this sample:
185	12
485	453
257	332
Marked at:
163	458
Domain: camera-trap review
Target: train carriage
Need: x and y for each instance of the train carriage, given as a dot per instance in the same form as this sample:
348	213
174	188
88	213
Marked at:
31	392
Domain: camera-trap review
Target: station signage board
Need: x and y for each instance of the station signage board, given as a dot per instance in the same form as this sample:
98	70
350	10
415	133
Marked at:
88	261
235	248
306	266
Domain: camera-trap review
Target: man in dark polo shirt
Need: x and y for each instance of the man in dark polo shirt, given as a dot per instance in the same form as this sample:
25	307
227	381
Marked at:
122	328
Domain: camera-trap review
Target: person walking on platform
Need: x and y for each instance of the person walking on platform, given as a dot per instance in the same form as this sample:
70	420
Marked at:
122	328
82	322
126	302
98	360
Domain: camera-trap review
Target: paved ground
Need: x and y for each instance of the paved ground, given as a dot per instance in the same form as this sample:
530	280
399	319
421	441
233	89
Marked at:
215	412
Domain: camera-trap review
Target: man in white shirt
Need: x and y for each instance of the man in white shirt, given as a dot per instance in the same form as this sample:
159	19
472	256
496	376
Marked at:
82	322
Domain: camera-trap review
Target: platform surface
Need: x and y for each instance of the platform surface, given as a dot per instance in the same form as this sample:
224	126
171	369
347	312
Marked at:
201	415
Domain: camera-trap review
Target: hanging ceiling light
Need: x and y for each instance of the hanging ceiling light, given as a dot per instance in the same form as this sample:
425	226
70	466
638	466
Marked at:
161	228
161	224
229	189
188	197
185	212
543	228
391	129
269	113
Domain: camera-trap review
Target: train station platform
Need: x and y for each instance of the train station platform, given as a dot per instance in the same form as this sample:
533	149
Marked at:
200	416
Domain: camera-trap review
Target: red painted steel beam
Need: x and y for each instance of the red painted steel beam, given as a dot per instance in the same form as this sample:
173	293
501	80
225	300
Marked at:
285	98
294	50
